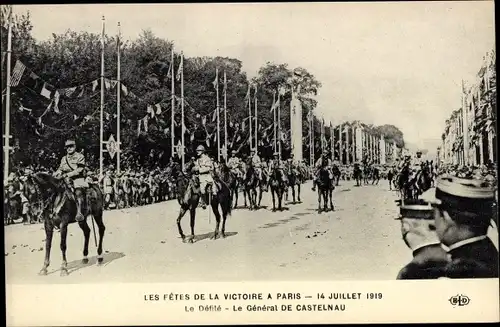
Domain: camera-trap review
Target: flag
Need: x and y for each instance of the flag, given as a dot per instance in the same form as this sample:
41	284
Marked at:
107	84
150	111
69	91
139	123
225	82
166	131
247	97
158	109
124	90
281	90
45	91
145	119
204	120
215	83
7	13
275	103
181	67
17	73
169	72
94	85
255	94
113	83
102	34
56	101
214	117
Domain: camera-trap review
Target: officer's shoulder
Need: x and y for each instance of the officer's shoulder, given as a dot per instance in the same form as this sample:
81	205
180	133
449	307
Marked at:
470	268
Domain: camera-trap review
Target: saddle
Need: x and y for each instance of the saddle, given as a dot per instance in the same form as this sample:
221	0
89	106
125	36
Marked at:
69	193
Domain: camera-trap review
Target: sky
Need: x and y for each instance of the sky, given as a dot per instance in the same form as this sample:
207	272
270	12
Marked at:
397	63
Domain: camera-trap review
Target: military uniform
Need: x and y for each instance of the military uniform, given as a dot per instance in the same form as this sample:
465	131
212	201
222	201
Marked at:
234	164
256	163
278	164
429	258
204	166
322	162
73	167
465	207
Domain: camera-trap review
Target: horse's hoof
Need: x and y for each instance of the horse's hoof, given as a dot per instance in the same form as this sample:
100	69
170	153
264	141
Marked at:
191	240
214	237
43	272
64	272
85	261
100	260
223	235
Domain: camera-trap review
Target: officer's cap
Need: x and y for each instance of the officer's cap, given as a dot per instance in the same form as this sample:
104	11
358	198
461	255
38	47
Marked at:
415	209
200	148
234	152
461	194
276	154
70	143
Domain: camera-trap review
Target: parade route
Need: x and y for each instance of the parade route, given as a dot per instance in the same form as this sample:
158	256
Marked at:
142	244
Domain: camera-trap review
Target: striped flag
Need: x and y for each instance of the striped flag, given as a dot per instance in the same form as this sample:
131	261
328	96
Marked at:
181	67
17	73
247	97
169	72
215	83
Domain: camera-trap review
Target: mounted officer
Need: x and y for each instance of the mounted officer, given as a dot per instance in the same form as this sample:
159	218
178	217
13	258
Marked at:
322	163
204	167
234	165
256	164
72	169
463	210
277	163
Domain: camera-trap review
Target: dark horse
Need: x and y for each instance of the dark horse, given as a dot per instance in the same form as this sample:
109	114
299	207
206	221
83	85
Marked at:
357	174
293	180
55	192
278	187
188	197
325	190
405	184
336	174
250	186
424	179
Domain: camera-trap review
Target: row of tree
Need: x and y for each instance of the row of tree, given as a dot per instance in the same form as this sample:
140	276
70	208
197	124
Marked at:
71	59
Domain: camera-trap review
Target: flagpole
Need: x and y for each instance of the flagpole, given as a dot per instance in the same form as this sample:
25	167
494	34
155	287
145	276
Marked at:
172	101
101	130
250	117
274	120
182	112
218	112
279	126
118	93
332	142
256	122
340	145
7	101
225	118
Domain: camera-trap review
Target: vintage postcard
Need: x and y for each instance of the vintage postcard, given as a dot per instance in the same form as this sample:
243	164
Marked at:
235	163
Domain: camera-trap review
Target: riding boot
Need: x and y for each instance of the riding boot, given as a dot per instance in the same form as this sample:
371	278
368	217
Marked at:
314	185
79	204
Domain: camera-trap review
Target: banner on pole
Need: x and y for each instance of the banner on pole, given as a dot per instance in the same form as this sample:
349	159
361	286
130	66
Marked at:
112	146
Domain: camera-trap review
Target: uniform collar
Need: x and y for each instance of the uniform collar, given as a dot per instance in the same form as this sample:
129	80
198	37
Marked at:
463	242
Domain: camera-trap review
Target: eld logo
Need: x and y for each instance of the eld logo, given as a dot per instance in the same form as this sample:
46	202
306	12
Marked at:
460	300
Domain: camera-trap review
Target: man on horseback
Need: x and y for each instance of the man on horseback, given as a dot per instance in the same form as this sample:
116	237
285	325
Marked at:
72	168
234	165
278	164
323	163
204	166
256	164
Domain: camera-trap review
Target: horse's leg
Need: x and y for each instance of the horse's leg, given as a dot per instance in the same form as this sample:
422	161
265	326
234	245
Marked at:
331	199
97	216
261	190
49	231
298	192
319	200
64	234
215	209
192	213
273	196
86	235
293	193
325	200
182	212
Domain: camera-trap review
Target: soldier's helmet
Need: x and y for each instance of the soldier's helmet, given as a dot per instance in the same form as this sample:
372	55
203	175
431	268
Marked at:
200	148
234	152
276	154
70	143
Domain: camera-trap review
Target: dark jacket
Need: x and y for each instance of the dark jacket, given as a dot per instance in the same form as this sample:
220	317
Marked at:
473	260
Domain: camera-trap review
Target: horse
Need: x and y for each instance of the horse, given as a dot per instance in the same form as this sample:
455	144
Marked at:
336	174
375	175
56	193
366	174
234	182
278	187
357	175
188	197
425	180
250	185
325	190
293	180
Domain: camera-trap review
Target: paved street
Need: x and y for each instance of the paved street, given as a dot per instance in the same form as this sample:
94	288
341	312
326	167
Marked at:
359	241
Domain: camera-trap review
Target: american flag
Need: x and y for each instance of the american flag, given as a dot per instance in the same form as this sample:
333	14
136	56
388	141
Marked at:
17	73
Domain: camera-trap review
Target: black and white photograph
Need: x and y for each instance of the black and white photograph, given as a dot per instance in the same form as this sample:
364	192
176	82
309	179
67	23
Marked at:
250	142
